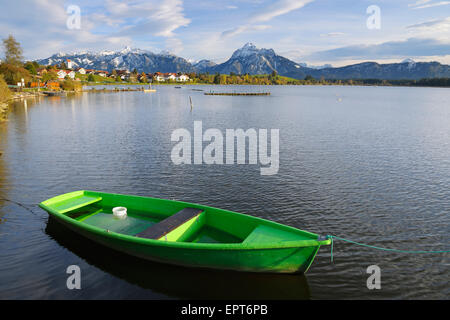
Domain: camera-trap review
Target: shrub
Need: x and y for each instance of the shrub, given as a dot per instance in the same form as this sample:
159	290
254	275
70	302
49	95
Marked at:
70	85
5	94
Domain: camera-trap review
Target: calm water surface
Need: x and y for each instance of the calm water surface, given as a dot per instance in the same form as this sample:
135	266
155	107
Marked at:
367	163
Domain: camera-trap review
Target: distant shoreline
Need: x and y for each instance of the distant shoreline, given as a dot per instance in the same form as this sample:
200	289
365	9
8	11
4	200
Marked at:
267	85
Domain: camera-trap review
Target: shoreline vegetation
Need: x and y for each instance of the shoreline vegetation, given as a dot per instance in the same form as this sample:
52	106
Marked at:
20	80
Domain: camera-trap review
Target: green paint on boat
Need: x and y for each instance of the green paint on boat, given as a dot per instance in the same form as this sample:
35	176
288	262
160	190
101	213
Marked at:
210	238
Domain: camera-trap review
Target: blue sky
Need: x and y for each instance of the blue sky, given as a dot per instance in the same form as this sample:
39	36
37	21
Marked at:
311	31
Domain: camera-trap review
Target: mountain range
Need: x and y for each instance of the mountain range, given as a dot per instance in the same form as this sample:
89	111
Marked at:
248	59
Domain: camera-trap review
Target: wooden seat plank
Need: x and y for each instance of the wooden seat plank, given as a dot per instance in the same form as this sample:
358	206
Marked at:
165	226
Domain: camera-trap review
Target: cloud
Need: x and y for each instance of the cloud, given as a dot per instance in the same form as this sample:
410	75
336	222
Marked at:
423	4
438	29
104	25
160	18
332	34
387	50
278	8
240	29
174	45
435	25
419	2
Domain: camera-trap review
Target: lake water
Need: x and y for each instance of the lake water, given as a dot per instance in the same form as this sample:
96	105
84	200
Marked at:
371	164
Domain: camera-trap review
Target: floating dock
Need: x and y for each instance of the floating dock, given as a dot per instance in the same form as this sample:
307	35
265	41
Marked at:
237	93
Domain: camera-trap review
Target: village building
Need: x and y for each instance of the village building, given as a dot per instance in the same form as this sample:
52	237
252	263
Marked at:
63	73
102	73
69	64
182	78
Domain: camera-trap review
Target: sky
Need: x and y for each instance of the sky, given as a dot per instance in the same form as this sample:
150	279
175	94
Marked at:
316	32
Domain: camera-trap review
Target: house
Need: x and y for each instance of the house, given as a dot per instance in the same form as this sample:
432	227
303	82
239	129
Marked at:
102	73
41	71
63	73
182	78
170	76
158	76
123	74
81	71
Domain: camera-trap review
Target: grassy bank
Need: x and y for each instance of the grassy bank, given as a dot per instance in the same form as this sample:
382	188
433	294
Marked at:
5	95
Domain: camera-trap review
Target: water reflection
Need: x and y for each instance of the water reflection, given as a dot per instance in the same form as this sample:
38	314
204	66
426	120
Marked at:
180	282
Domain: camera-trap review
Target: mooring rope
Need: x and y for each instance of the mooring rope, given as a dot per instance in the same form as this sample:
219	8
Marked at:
22	205
379	248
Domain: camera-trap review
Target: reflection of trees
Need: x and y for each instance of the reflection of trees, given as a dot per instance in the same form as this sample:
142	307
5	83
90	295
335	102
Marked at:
3	168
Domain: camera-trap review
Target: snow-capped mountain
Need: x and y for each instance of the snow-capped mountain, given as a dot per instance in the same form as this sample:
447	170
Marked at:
252	60
203	65
128	58
248	59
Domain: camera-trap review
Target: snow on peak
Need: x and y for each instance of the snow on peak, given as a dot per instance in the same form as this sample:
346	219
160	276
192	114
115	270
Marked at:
250	49
408	60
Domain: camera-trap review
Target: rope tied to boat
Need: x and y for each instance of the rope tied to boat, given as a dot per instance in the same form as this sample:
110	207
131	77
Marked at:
331	237
24	206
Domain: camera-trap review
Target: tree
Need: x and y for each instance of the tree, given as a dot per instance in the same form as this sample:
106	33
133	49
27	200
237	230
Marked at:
144	77
91	78
13	51
30	66
49	76
14	74
217	78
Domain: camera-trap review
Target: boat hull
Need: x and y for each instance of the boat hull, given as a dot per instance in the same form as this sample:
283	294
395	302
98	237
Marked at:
292	257
283	260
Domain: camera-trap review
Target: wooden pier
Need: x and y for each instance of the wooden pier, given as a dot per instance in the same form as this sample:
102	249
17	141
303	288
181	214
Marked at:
237	93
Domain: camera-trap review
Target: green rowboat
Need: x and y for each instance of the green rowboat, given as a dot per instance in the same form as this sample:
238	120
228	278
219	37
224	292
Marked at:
186	234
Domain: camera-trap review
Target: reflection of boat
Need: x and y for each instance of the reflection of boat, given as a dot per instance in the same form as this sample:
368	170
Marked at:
179	282
150	89
177	87
187	234
54	93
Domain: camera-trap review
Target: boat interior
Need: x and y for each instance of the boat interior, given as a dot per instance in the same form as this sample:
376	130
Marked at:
167	220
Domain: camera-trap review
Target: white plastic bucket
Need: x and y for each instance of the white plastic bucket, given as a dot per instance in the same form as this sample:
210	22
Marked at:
120	212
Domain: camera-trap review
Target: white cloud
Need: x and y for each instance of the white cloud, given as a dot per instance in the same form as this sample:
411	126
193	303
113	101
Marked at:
276	9
418	2
160	18
387	50
437	29
332	34
110	27
425	4
247	27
